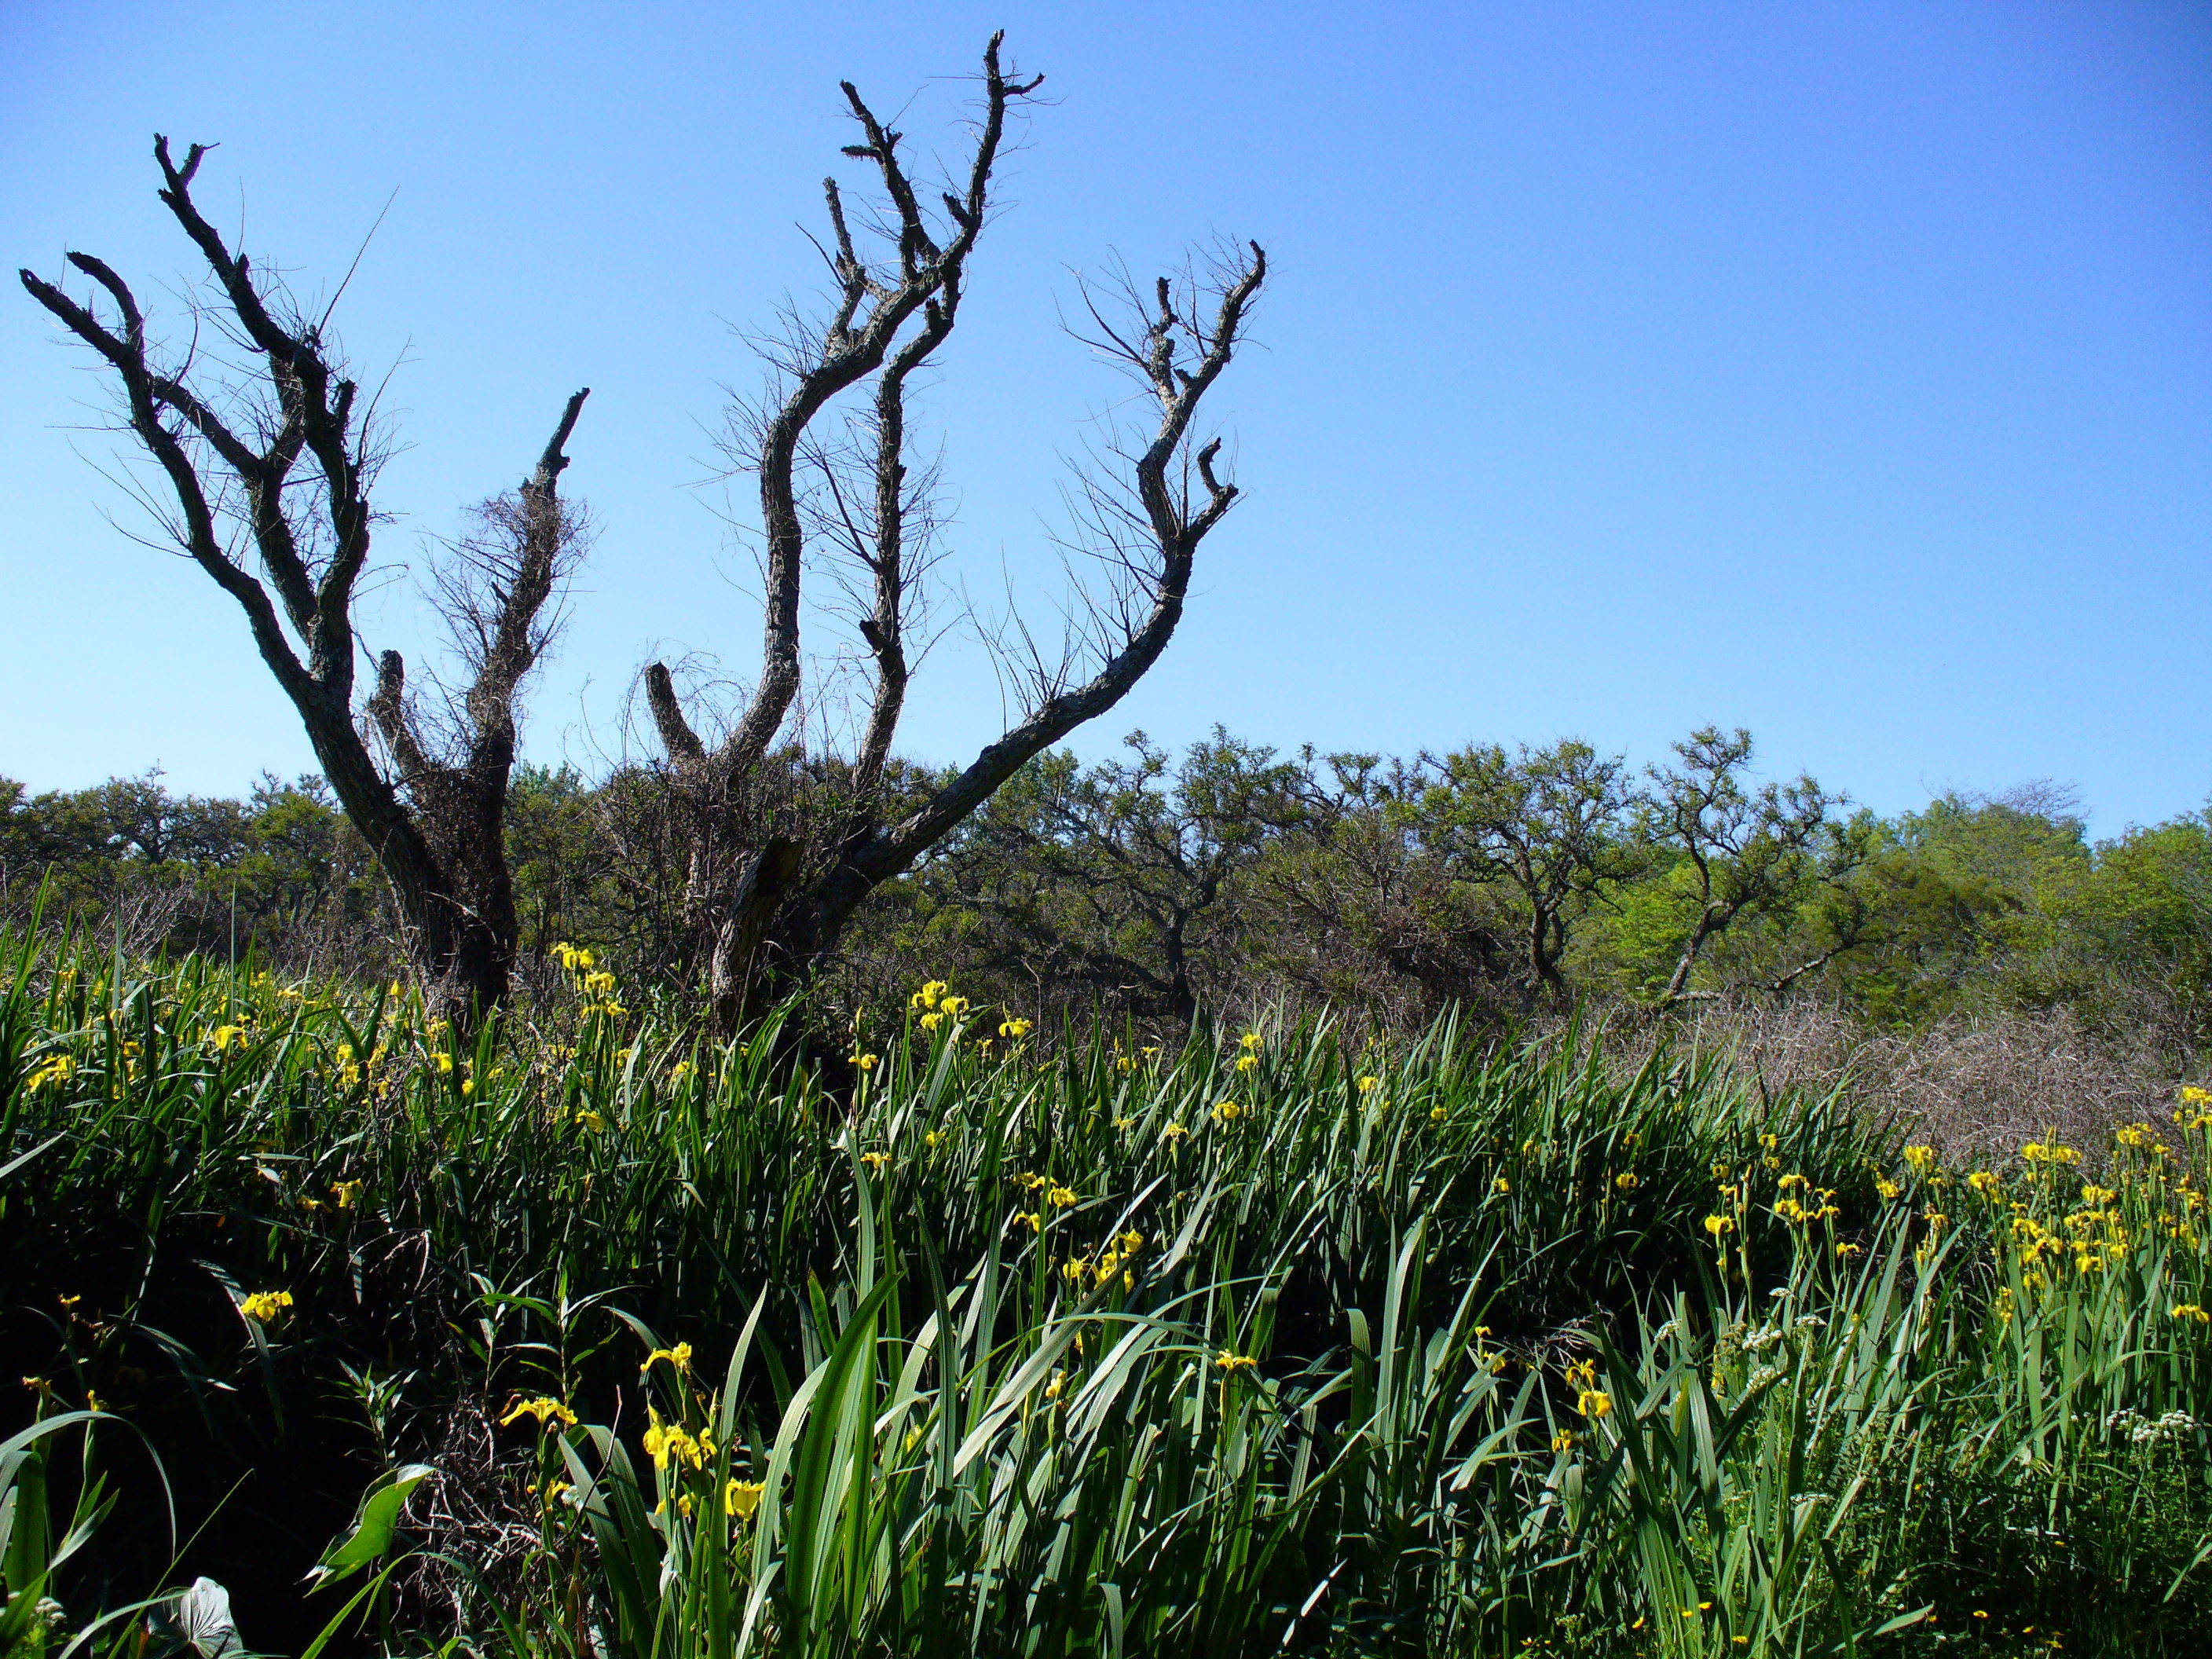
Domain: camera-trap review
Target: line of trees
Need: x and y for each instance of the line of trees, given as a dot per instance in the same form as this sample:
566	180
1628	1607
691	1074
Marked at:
1153	887
1515	880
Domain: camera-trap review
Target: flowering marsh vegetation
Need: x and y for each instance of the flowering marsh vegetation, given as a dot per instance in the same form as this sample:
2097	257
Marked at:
593	1338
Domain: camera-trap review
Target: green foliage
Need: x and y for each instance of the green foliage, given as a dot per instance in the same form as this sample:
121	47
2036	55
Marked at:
1165	890
282	868
2148	907
1547	824
1124	880
1274	1343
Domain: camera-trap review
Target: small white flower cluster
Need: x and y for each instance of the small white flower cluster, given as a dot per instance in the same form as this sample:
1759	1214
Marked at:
2144	1431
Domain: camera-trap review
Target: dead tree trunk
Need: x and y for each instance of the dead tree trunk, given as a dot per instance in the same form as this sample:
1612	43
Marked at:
279	457
772	889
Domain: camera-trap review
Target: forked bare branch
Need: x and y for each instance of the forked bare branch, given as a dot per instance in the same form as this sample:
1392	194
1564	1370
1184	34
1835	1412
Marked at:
867	506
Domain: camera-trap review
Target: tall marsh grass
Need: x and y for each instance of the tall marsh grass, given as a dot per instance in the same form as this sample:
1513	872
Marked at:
1269	1344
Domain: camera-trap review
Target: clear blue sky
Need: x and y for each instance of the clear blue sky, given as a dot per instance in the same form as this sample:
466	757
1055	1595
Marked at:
1840	371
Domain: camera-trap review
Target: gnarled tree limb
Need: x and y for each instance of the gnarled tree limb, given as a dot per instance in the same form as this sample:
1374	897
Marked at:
302	483
888	321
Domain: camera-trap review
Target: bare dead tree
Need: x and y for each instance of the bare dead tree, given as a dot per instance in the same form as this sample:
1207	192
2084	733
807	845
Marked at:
771	887
275	453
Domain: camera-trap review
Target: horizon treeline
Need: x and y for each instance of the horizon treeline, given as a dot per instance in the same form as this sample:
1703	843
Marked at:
1152	889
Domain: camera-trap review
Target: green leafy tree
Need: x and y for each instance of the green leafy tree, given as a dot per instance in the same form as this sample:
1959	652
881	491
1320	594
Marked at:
1742	852
1129	877
1357	911
302	864
1548	823
1965	903
2144	918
